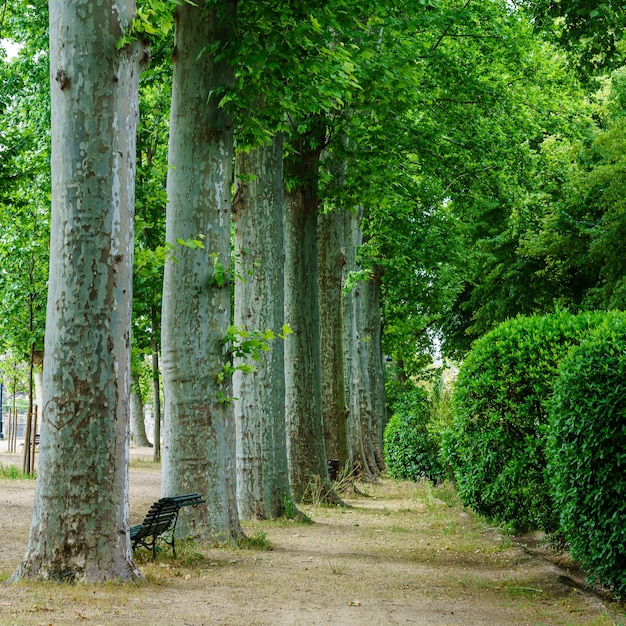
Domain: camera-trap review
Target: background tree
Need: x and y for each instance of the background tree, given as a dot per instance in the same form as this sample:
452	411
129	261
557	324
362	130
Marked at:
24	210
150	247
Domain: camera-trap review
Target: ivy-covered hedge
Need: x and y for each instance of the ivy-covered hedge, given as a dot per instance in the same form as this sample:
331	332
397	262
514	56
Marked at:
496	446
410	450
587	449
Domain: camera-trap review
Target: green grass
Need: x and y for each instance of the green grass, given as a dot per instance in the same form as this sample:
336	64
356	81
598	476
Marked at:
12	472
143	463
257	541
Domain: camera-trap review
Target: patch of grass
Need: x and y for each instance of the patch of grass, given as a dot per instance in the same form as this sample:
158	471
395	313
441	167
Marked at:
257	541
398	530
446	492
336	568
516	590
187	555
12	472
605	620
144	464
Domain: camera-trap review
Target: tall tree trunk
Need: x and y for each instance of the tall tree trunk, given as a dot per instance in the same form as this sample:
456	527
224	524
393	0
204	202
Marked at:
199	429
80	527
262	473
156	386
39	380
331	256
374	358
306	450
356	375
137	423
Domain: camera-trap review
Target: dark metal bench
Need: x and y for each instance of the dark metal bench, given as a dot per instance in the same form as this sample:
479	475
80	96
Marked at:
161	518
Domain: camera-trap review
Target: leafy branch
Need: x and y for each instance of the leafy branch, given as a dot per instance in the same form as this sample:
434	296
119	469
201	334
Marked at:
244	345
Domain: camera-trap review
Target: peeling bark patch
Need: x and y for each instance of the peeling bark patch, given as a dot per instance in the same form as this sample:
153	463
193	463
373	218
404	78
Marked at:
62	79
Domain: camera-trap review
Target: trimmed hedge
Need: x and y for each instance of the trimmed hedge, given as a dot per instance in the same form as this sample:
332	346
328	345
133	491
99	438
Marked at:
496	446
410	450
587	447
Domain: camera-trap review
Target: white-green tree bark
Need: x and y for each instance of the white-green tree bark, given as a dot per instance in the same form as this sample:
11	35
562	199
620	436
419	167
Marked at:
262	473
199	429
303	405
137	422
355	361
331	259
372	332
80	527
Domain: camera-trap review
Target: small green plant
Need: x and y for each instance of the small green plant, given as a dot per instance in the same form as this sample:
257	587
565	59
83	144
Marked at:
243	345
258	541
336	568
289	507
220	272
12	472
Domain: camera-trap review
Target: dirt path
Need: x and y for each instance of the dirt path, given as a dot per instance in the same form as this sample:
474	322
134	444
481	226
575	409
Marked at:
401	555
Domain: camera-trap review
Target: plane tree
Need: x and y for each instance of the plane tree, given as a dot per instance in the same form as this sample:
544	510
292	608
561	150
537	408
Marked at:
79	529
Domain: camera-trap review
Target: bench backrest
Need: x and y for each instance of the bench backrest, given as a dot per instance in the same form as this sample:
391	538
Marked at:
163	512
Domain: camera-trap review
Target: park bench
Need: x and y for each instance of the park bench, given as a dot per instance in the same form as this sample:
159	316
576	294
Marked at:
161	518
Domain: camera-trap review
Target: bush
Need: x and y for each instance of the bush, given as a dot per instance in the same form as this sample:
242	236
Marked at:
587	447
410	450
496	445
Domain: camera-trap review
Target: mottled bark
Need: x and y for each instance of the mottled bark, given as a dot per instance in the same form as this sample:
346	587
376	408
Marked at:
199	429
39	388
137	423
374	358
262	473
360	426
306	449
156	404
80	525
331	257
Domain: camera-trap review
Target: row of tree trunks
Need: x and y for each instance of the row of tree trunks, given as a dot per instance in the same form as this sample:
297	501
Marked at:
80	521
303	403
332	258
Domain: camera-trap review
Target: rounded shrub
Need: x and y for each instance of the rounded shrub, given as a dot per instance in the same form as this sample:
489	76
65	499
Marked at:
410	450
496	445
587	446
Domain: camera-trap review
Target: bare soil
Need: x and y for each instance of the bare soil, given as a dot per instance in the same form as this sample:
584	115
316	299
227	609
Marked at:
400	554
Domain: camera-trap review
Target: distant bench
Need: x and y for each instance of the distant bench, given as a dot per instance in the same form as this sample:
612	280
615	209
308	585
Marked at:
161	517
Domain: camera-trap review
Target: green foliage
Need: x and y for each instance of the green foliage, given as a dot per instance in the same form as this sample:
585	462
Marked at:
591	29
410	450
554	243
496	445
245	345
24	201
587	447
